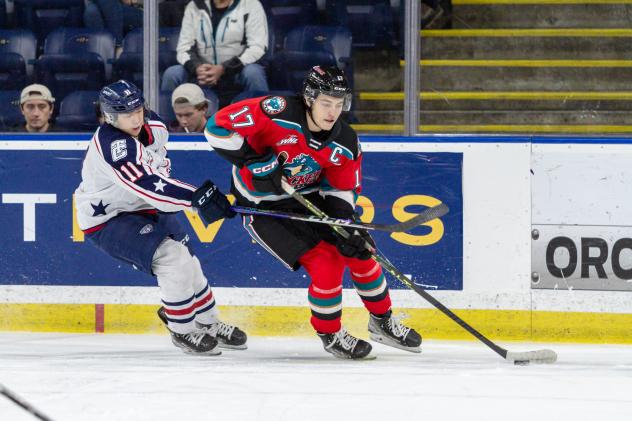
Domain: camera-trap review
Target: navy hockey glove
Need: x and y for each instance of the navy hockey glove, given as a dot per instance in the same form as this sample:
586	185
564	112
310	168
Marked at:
266	173
211	204
354	246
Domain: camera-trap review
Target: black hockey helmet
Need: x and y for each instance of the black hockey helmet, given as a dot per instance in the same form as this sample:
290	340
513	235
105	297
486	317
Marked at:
329	81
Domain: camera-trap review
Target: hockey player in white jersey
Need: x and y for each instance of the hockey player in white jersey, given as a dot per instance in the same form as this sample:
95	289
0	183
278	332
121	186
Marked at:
126	205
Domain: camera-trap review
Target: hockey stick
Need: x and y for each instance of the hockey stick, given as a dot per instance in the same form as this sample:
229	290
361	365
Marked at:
519	358
22	403
425	216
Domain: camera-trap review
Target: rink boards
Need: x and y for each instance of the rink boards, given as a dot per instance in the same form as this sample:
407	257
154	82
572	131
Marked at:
535	246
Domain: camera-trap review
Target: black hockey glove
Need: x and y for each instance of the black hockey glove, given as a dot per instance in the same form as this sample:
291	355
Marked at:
354	246
211	204
266	173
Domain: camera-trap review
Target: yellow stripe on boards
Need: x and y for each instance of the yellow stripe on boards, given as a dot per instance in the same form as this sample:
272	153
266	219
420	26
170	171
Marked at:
557	32
518	325
523	63
75	318
502	95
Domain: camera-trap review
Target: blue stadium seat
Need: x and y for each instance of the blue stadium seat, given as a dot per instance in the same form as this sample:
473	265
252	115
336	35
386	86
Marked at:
17	55
75	59
306	47
77	112
10	114
358	15
43	16
285	14
129	65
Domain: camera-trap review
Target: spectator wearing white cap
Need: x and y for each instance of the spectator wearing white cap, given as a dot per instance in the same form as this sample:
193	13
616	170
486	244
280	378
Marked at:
191	108
36	105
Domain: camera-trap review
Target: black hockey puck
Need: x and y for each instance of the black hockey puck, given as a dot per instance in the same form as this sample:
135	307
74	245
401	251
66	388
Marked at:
521	362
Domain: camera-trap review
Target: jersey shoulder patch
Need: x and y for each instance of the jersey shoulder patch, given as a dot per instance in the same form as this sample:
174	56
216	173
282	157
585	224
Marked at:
118	149
273	105
116	145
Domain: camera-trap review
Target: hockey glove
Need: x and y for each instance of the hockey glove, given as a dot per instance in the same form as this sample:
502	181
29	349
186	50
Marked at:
266	173
354	246
211	204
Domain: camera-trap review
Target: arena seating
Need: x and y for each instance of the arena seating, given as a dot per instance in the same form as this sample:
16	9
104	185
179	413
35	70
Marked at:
75	58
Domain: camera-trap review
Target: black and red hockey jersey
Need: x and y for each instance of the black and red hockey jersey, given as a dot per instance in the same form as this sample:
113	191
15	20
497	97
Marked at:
311	163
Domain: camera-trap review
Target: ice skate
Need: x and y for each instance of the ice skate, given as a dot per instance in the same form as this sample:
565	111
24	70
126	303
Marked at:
343	345
197	343
388	330
228	336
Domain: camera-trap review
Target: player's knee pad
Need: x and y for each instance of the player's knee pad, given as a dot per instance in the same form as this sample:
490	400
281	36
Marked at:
173	260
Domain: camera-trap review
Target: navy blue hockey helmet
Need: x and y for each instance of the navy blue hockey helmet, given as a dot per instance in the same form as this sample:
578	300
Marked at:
329	81
120	97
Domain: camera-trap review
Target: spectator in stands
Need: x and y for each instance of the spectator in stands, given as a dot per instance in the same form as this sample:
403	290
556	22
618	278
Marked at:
191	109
219	46
36	104
117	16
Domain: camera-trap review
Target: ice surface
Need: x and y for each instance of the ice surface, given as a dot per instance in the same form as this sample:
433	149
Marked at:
143	377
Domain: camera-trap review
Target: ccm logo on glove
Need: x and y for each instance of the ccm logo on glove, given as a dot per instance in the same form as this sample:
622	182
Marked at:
205	195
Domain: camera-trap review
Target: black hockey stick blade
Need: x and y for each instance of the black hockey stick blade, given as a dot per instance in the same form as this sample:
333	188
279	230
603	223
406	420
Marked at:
425	216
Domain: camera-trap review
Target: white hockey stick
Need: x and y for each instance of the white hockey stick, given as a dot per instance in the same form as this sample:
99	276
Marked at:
543	356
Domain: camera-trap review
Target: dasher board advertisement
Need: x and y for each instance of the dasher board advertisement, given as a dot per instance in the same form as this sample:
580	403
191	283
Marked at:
42	245
582	217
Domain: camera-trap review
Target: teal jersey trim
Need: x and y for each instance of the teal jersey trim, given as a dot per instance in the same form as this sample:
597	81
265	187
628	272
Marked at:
213	128
288	125
341	150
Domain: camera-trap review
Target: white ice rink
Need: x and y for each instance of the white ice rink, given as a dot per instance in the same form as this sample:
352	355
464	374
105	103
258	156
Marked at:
143	377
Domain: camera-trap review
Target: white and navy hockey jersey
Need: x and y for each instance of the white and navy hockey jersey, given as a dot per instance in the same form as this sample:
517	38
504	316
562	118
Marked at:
124	174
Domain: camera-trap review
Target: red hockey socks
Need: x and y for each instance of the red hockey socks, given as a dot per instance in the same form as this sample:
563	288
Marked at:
370	284
325	266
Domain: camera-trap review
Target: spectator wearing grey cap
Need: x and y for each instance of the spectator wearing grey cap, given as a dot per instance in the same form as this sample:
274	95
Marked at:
36	105
191	108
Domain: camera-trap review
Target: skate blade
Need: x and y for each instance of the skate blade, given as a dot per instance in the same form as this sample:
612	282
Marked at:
211	353
344	357
389	342
234	347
